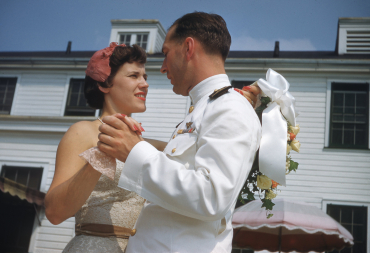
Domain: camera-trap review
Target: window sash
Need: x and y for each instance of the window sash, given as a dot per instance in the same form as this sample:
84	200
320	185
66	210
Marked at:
76	103
7	90
354	219
349	121
142	40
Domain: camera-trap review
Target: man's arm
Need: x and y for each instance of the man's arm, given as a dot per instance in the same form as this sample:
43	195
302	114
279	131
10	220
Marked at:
227	141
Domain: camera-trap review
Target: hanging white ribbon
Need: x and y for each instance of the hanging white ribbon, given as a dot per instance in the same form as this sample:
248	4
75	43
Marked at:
272	154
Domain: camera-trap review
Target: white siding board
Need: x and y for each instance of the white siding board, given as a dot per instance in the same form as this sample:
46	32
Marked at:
54	238
55	231
40	94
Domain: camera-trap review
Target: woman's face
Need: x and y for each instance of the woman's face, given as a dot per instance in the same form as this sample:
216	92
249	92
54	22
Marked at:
129	89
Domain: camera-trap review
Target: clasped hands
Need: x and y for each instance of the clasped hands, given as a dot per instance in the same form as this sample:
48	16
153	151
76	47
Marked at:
120	133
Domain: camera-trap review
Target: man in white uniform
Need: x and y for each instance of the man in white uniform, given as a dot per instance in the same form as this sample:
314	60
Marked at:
191	188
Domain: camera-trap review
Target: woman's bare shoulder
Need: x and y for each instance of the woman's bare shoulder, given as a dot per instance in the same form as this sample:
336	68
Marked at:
83	133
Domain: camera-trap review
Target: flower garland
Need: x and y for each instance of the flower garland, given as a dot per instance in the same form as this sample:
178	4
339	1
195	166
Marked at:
257	183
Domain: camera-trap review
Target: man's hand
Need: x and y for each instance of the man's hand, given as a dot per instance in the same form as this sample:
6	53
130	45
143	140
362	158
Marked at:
251	94
116	138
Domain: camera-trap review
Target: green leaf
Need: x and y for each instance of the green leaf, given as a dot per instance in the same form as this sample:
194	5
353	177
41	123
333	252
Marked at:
241	199
267	204
293	165
265	100
269	215
250	196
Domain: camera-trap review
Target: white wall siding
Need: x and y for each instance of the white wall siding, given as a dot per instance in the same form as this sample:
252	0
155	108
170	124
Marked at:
158	44
40	94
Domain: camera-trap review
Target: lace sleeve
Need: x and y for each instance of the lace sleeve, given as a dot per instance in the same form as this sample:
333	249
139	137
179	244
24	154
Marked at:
100	161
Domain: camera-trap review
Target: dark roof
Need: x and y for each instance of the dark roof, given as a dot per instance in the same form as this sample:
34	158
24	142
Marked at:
296	55
232	54
49	54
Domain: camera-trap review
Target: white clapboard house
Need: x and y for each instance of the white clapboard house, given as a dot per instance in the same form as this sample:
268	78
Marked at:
41	95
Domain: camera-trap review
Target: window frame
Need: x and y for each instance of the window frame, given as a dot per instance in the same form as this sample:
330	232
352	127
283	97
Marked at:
12	110
65	97
327	202
328	112
43	187
134	34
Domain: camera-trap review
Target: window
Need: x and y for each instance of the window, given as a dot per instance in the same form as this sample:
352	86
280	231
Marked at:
76	102
125	39
17	215
354	219
241	84
7	89
141	39
349	123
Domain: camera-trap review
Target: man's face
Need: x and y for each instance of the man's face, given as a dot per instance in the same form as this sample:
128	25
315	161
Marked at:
174	64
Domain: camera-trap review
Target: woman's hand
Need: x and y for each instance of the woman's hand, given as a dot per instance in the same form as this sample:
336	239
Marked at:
251	94
136	127
131	123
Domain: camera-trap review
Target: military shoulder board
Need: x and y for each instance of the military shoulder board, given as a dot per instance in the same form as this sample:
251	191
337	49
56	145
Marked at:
218	93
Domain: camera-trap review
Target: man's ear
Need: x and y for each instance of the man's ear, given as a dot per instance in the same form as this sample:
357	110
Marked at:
190	47
103	89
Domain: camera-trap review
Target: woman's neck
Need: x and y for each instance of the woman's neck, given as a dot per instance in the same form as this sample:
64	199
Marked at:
108	110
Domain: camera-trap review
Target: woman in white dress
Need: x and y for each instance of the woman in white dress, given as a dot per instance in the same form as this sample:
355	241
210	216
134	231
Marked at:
105	214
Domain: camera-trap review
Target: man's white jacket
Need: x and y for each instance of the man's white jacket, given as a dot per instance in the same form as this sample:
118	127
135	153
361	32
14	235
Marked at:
191	188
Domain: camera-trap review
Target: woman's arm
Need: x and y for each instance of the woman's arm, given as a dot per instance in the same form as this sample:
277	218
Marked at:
74	180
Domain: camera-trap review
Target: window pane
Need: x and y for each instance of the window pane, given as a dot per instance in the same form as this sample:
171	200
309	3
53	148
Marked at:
361	133
361	99
10	174
35	179
346	215
128	38
358	216
145	38
338	109
338	99
22	176
338	117
349	99
143	46
138	39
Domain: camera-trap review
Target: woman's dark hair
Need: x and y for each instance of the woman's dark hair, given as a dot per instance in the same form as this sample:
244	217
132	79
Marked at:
120	55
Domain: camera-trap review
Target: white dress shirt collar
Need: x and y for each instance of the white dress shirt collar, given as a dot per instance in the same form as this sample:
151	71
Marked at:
207	86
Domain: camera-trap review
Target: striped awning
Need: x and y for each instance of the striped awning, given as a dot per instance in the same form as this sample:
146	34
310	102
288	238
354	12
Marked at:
22	191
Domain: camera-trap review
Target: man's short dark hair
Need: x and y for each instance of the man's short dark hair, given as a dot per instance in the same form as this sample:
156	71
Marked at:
209	29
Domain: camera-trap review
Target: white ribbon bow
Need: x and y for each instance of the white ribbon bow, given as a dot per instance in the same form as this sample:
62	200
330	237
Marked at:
272	154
